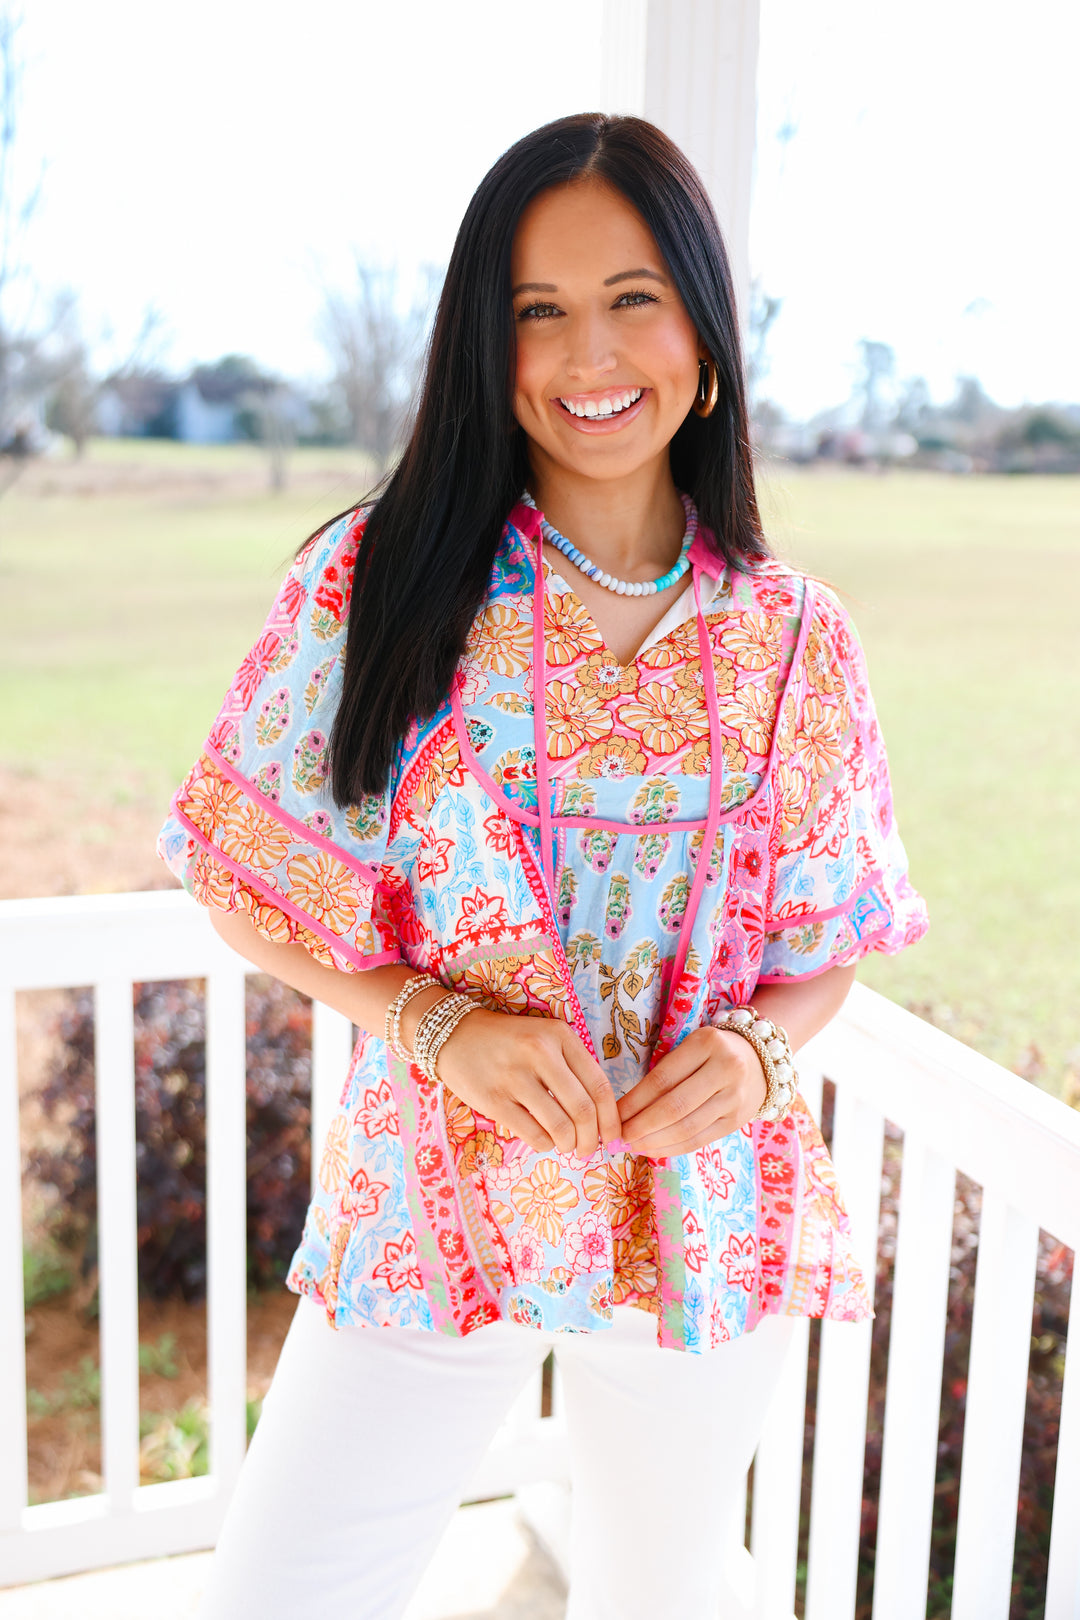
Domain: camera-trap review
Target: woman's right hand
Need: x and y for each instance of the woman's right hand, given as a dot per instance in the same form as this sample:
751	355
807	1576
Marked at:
535	1076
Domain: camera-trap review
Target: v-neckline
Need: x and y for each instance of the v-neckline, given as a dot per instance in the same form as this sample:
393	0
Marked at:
654	636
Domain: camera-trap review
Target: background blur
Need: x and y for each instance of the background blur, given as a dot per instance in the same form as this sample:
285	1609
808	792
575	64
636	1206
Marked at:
221	234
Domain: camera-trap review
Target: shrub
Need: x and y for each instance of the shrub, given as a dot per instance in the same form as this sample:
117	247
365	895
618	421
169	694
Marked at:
170	1094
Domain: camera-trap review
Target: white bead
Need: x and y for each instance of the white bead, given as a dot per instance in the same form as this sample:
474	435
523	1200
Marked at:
783	1071
605	580
740	1018
777	1048
762	1029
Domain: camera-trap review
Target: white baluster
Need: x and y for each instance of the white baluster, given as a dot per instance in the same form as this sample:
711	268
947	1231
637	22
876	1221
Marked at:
226	1223
114	1062
12	1334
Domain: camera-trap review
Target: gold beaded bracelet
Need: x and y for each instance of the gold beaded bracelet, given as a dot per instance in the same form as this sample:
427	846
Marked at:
435	1029
774	1052
411	987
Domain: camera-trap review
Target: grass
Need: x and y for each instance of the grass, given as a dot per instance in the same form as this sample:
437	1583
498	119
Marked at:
124	613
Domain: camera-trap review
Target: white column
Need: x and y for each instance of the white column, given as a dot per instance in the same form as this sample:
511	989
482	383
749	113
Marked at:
691	67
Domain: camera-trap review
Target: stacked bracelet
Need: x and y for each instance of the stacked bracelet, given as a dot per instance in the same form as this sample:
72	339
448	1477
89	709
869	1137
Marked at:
773	1048
435	1029
411	987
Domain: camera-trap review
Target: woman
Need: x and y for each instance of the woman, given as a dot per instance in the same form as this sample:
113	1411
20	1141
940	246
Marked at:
540	770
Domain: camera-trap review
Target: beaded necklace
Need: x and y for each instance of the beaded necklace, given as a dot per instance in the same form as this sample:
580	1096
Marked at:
622	587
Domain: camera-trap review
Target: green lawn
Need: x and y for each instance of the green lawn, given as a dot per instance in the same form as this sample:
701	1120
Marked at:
124	613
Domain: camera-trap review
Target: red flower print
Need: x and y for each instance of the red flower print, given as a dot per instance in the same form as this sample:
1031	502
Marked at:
718	1180
451	1245
255	666
695	1250
330	594
378	1112
363	1196
429	1163
500	836
775	1170
433	856
398	1268
481	914
487	1312
750	861
738	1259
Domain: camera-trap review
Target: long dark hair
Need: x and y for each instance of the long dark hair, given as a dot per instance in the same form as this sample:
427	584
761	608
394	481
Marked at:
430	539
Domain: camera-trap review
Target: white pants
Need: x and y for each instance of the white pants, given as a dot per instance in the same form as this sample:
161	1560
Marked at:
369	1435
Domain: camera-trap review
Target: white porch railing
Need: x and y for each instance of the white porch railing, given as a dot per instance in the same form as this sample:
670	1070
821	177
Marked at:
957	1111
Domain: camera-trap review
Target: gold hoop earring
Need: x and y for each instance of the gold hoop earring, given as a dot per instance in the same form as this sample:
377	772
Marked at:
708	388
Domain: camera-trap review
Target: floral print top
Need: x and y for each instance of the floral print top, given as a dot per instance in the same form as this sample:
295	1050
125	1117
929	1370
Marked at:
631	854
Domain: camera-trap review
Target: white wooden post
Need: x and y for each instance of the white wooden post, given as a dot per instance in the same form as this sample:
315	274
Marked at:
226	1218
12	1330
1063	1574
118	1276
698	82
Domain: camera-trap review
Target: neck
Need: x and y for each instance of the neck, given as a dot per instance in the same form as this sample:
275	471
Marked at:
632	527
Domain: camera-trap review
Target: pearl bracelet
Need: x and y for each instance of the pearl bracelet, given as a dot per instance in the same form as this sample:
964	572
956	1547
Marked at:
774	1052
392	1036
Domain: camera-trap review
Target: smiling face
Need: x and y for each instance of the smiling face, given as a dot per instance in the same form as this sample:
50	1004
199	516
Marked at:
607	357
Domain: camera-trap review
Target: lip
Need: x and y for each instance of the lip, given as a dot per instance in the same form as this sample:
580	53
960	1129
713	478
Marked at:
600	424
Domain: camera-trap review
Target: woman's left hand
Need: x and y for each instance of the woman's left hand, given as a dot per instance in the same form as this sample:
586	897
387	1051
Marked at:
709	1085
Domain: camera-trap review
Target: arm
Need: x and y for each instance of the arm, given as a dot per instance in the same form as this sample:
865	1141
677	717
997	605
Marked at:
532	1075
712	1083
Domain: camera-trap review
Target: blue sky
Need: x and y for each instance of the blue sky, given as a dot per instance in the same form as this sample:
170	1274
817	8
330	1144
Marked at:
223	159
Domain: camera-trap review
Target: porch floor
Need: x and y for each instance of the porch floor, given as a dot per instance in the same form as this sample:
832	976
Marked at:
488	1566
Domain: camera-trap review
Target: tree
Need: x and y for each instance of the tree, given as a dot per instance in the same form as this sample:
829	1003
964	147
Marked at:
874	384
763	312
374	335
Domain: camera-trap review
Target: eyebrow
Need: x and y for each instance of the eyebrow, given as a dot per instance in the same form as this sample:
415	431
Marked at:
623	275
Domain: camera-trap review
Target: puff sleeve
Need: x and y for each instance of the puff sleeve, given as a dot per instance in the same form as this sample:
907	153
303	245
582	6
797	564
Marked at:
254	827
840	883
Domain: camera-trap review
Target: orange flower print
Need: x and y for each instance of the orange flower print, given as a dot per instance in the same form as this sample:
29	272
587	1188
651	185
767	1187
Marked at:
603	674
794	792
820	671
316	947
494	984
325	888
596	1185
691	678
697	761
636	1261
211	882
575	716
569	631
614	759
334	1164
751	711
208	801
629	1187
398	1267
460	1119
675	648
253	838
481	1152
543	1198
665	717
444	769
271	923
818	738
755	640
500	642
546	985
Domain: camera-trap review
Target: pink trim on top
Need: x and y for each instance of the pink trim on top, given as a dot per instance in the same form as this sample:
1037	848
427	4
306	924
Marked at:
543	768
868	943
703	557
774	924
277	899
716	789
516	811
370	874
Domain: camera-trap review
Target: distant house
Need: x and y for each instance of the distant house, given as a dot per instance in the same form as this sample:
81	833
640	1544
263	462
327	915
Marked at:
219	404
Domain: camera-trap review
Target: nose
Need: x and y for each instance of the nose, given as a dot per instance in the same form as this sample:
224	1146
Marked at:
591	352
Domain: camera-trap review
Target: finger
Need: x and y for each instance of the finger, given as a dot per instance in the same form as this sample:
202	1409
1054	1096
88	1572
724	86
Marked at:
589	1073
524	1126
676	1066
575	1101
692	1098
697	1130
535	1094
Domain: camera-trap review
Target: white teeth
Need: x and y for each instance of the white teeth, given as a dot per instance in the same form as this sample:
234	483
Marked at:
603	407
